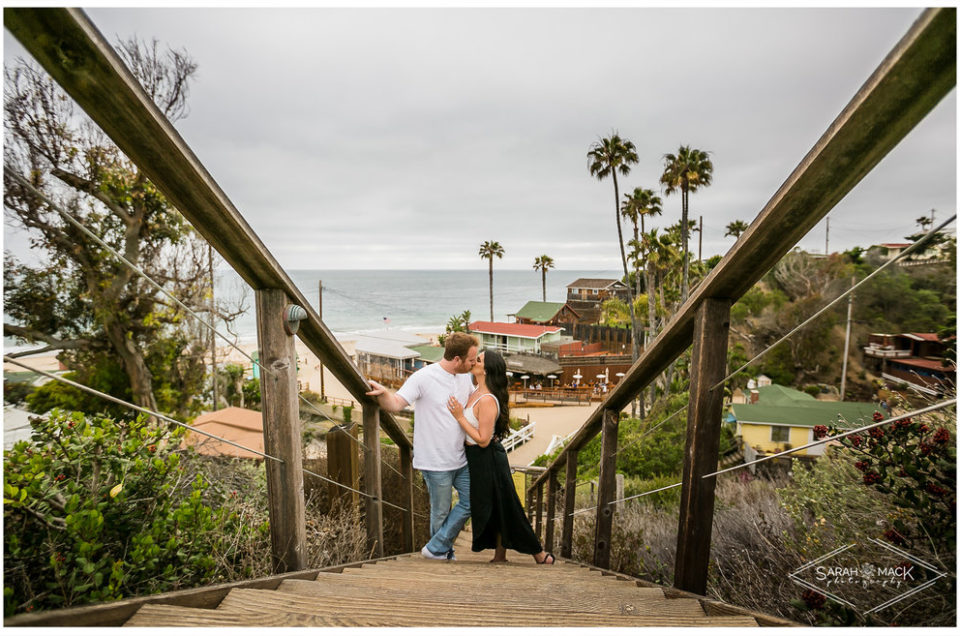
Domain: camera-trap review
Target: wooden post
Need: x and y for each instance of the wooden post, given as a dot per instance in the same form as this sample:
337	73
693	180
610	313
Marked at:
371	477
606	491
539	525
528	497
569	501
707	365
323	393
281	433
551	509
343	463
406	529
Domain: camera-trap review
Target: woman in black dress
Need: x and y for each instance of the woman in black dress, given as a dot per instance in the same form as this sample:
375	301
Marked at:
498	518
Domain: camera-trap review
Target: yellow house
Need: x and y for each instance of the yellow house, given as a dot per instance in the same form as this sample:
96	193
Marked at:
782	418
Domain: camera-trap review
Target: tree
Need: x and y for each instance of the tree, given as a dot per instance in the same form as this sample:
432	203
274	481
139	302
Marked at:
80	300
459	322
686	172
605	158
736	228
541	264
488	250
637	206
924	222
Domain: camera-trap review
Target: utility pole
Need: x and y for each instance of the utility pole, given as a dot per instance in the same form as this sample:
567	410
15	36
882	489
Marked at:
700	249
213	336
323	395
826	249
846	344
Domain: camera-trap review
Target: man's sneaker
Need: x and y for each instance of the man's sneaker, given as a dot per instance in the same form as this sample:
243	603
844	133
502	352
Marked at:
451	556
427	554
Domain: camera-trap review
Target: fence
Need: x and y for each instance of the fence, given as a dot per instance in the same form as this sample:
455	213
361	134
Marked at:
918	72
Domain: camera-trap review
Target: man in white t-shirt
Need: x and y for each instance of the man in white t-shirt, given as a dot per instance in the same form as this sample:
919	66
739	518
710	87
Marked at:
437	437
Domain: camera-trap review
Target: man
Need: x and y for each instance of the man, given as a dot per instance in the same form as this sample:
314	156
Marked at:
437	437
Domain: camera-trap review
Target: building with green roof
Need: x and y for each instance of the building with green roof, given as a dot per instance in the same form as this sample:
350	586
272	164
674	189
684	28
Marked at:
537	312
783	418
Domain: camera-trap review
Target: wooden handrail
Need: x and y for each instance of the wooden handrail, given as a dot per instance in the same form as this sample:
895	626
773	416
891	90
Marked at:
75	54
908	83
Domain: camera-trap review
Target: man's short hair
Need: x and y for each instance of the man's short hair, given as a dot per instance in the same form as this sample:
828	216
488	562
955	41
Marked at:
458	344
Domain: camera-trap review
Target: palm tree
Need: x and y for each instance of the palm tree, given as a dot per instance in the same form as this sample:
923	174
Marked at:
488	250
736	228
605	158
541	264
924	222
637	206
686	172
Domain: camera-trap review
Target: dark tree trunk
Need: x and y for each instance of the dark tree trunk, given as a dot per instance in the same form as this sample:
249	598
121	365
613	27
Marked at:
141	380
626	276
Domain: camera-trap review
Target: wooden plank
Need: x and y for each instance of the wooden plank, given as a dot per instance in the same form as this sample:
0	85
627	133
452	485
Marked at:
569	505
406	523
343	463
116	612
175	616
281	433
538	528
551	511
704	418
75	54
917	73
372	480
606	490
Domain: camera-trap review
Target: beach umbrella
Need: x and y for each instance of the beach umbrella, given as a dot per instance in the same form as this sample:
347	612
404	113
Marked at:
524	378
510	374
551	377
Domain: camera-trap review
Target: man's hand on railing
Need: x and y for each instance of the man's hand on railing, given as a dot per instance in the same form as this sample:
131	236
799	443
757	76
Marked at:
387	400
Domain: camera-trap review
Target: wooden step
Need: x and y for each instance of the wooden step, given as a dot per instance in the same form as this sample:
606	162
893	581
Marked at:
159	615
418	613
545	597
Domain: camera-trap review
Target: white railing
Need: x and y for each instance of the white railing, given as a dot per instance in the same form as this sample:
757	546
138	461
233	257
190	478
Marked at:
557	442
519	437
878	351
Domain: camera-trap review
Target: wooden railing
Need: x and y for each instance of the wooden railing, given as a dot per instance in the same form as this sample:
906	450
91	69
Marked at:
909	82
75	54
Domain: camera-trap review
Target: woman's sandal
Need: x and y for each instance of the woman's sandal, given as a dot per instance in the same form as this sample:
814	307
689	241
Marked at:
550	556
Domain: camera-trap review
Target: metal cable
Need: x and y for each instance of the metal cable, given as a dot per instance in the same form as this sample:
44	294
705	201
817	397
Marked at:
833	302
130	265
137	408
646	433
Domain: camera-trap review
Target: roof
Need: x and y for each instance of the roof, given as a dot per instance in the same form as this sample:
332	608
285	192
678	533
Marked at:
896	245
534	365
513	329
775	394
596	283
925	337
539	311
389	343
242	426
924	363
428	353
806	415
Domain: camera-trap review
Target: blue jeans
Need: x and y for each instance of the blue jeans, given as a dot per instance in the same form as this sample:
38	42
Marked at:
446	524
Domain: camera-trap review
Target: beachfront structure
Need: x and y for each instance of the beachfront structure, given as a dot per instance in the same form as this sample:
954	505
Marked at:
915	359
536	312
935	252
242	426
510	337
389	355
777	418
586	296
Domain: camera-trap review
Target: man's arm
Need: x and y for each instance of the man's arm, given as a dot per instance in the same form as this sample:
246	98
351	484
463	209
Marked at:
388	401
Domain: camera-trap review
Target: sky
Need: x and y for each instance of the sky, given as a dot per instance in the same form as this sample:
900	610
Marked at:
403	138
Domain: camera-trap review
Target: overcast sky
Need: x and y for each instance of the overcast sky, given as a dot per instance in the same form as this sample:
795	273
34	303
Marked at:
403	138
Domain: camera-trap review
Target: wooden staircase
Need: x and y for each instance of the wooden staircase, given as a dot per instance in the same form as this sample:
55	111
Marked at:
411	591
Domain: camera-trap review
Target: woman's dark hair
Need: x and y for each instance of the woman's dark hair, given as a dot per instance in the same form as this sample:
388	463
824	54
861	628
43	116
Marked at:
496	369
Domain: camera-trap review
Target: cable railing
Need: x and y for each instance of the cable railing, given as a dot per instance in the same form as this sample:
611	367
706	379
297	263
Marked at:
917	73
98	81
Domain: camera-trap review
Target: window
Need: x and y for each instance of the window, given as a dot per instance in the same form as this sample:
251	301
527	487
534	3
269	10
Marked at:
779	433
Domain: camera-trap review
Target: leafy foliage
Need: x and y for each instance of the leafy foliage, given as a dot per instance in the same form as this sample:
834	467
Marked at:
97	509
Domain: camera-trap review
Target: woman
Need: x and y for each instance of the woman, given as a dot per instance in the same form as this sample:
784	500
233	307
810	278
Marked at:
498	518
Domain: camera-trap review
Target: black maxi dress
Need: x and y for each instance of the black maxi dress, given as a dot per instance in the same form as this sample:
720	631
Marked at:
495	507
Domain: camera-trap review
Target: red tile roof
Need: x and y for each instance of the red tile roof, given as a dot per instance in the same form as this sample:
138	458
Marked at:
512	329
923	363
929	337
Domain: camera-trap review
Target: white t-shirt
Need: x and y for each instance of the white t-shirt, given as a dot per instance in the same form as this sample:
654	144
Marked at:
437	437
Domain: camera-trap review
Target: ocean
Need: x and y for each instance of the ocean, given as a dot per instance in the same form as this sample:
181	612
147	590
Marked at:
420	301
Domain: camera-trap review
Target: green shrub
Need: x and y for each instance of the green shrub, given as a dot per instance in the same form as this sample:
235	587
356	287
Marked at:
348	414
96	510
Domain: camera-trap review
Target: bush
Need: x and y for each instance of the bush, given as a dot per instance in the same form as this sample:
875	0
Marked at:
96	510
348	414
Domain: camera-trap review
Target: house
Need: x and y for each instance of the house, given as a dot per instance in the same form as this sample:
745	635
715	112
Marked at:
242	426
388	355
586	296
782	418
510	337
536	312
936	251
915	359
